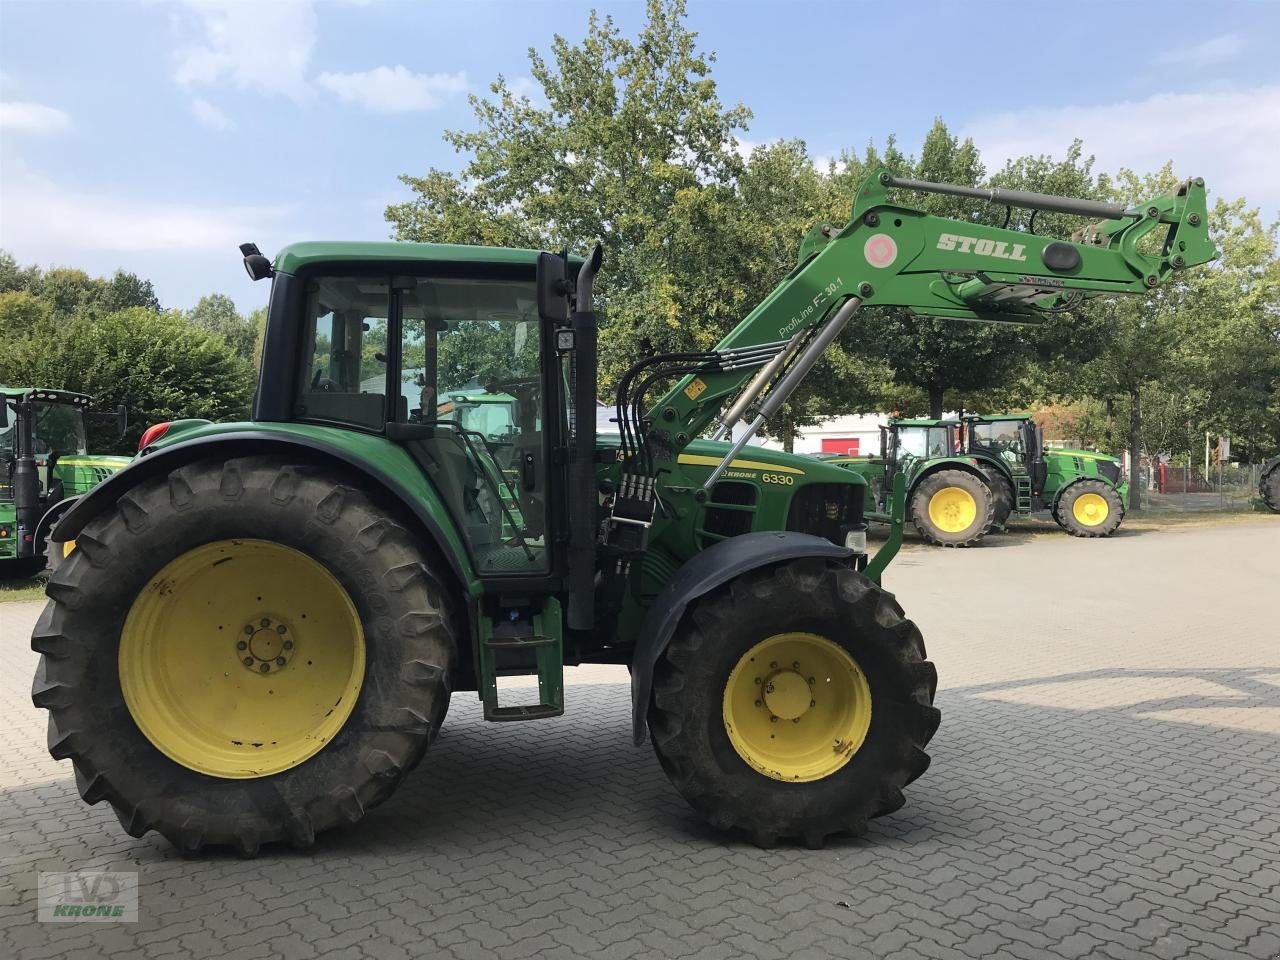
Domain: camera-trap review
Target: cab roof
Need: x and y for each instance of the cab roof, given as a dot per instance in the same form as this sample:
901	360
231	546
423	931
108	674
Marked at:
923	423
298	255
48	396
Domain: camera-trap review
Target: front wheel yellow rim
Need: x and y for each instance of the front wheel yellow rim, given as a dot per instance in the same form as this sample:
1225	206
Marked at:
1091	509
953	509
797	707
241	658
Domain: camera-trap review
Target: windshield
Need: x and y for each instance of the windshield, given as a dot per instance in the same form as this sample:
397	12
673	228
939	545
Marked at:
924	442
59	429
1000	438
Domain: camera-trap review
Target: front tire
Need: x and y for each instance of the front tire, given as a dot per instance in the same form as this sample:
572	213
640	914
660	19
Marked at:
833	730
1089	508
952	508
154	618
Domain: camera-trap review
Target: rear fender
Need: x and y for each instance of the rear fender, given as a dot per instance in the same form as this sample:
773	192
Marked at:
225	446
702	573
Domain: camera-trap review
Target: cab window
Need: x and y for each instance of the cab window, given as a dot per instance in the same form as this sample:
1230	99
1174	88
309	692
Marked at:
344	359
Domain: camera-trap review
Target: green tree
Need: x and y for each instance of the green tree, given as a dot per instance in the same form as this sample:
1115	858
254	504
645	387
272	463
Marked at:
217	314
157	364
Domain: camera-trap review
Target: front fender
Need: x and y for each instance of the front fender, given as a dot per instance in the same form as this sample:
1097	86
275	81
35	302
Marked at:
51	518
702	573
239	443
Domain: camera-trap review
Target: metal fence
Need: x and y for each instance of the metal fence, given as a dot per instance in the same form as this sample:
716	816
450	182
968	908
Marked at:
1233	486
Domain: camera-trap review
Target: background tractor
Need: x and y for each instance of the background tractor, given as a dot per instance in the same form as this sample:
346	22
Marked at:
1084	491
258	634
965	477
44	468
1269	484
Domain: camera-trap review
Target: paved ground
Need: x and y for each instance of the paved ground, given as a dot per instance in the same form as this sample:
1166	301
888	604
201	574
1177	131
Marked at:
1106	782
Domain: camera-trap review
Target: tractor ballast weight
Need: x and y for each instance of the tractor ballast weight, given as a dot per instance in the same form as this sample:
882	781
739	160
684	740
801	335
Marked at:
342	563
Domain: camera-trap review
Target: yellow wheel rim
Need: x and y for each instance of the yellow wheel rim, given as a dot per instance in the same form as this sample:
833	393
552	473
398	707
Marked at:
953	509
241	658
1091	509
67	547
797	707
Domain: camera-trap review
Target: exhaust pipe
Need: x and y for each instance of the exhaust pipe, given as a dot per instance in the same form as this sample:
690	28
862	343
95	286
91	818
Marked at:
583	498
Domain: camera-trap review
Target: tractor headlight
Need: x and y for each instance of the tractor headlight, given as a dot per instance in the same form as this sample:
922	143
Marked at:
856	539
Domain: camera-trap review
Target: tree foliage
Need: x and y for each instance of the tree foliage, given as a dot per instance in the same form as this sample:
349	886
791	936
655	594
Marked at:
63	329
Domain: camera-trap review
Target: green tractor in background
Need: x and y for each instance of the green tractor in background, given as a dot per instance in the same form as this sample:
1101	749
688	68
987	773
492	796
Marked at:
44	469
1269	484
259	632
966	477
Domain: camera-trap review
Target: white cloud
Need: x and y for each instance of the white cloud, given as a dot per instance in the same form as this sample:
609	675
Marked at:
526	87
1220	49
1231	139
394	89
265	47
41	220
17	115
211	116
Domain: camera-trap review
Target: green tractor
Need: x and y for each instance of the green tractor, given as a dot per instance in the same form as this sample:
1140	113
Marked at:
965	477
260	630
1269	484
44	468
1084	491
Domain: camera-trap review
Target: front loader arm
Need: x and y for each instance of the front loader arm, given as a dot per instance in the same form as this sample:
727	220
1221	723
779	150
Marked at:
886	255
892	255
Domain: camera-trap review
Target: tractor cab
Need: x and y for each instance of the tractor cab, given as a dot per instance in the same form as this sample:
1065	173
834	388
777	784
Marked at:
44	464
1011	442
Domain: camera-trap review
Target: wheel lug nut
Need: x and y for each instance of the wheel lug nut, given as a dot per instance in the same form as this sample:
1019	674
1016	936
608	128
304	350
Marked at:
773	664
773	719
796	720
813	703
280	629
248	661
242	645
758	703
795	664
265	622
248	629
265	667
288	644
811	679
759	679
279	661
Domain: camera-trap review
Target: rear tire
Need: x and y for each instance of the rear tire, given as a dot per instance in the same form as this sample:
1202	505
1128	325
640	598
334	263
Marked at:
1002	499
403	614
735	781
1089	508
952	508
1269	487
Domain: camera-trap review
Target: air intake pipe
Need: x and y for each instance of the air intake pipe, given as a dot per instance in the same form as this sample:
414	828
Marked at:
583	496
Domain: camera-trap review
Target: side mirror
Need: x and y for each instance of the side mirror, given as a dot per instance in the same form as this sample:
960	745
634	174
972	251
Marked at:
553	292
255	264
122	420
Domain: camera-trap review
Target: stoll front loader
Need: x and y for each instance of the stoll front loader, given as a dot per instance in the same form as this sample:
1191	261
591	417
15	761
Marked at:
261	626
44	467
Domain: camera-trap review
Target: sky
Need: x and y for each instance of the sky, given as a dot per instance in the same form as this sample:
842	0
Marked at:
157	136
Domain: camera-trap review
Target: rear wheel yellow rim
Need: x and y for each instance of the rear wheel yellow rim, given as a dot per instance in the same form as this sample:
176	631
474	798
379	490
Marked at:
797	707
241	658
953	509
1091	509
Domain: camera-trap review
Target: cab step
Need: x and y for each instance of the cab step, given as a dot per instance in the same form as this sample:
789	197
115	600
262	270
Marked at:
510	652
